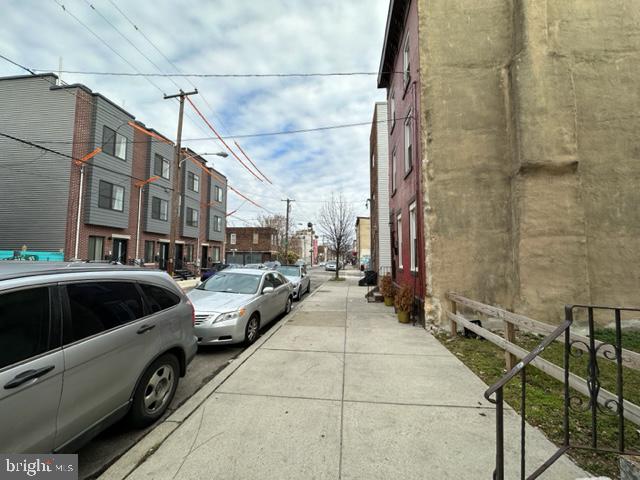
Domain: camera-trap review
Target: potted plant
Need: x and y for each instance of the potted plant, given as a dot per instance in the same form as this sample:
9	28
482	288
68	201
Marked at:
404	302
387	290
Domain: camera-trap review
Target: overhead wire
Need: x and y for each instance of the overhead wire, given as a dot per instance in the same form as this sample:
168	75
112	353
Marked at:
224	75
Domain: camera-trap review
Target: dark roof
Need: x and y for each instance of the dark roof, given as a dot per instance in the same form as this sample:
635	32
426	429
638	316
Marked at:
392	39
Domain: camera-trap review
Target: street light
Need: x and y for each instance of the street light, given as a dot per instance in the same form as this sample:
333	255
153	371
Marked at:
175	195
140	185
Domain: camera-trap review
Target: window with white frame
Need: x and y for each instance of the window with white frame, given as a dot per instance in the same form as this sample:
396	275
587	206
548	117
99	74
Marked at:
232	238
161	167
413	237
399	230
256	238
114	143
408	144
392	103
218	194
217	224
406	62
192	217
216	254
159	209
394	170
110	196
193	182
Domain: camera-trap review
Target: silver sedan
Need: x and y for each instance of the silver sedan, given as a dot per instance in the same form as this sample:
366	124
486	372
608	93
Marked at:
234	304
298	277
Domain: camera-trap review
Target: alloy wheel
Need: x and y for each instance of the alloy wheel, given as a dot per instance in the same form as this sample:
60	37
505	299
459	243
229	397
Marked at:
158	388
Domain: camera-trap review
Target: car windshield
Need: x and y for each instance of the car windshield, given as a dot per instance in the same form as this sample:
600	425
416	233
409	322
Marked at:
232	283
289	271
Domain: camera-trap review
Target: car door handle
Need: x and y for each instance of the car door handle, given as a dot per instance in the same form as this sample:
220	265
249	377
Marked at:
145	328
24	377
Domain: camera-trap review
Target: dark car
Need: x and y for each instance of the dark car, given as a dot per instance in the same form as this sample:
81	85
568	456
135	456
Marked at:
210	272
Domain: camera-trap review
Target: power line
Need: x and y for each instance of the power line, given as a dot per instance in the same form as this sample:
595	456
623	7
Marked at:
222	75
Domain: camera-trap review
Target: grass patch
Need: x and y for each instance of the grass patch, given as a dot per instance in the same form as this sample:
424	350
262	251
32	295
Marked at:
544	401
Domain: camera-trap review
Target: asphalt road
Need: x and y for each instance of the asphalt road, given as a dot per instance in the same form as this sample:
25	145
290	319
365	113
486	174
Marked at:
106	448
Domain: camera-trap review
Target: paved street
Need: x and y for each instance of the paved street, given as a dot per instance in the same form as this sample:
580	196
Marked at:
338	390
112	443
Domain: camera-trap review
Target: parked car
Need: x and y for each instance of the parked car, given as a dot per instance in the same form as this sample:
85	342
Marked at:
233	305
256	266
273	265
298	277
300	263
211	271
84	345
330	267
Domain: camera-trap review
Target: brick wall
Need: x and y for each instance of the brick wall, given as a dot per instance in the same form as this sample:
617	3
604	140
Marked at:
244	239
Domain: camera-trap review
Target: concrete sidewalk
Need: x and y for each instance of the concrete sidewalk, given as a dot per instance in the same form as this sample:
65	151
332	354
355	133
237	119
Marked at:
339	390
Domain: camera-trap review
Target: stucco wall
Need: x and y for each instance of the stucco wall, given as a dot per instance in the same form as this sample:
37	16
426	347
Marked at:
531	152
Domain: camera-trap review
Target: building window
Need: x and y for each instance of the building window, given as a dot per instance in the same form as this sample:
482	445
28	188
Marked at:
193	182
392	103
161	167
217	224
216	254
399	229
256	238
406	62
413	237
188	253
192	217
96	248
232	238
394	171
114	143
373	160
159	209
218	194
110	196
149	251
408	147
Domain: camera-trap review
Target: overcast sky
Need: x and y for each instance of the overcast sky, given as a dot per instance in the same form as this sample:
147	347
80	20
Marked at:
230	37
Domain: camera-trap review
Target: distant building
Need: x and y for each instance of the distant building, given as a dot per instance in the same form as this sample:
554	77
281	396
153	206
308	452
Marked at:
251	245
363	241
379	191
305	244
40	189
513	131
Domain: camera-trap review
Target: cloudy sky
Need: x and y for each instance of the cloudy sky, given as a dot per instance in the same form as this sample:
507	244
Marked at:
228	37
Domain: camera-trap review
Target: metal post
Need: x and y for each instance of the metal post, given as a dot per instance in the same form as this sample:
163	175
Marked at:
75	253
499	472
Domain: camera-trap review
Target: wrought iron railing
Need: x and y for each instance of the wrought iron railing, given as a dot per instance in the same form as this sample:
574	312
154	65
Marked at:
594	403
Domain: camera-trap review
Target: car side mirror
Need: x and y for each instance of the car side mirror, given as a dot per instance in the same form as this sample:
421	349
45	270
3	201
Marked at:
266	290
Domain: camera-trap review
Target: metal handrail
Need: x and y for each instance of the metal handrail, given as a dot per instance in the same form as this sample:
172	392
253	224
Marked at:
528	359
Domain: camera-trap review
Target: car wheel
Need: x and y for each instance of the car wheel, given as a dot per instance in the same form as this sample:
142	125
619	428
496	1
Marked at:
309	287
155	391
287	307
252	330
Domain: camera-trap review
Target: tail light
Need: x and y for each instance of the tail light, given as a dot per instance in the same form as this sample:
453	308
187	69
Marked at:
193	313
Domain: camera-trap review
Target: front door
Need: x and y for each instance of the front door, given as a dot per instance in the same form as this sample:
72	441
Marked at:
179	256
164	254
119	251
31	369
204	263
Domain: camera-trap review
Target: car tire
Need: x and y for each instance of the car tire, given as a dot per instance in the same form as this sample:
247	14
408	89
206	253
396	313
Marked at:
287	307
252	330
309	287
155	391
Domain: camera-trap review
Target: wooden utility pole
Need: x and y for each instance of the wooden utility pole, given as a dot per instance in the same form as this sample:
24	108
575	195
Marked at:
175	193
286	232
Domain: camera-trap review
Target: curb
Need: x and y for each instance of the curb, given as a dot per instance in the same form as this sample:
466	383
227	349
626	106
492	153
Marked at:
146	446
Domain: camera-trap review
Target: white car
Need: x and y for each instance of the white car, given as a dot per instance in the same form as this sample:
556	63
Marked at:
233	305
298	277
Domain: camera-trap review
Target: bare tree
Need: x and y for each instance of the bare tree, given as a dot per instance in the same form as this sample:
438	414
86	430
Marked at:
337	223
279	223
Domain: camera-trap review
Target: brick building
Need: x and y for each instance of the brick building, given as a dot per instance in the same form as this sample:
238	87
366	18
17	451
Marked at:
40	201
522	120
251	245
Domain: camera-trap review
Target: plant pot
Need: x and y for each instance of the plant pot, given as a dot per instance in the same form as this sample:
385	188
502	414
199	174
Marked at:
403	317
388	301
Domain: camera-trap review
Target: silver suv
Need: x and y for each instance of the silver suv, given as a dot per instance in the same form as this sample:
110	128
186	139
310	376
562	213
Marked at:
82	346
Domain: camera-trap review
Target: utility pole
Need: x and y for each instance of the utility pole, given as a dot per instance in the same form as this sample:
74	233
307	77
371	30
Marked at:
175	194
286	232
